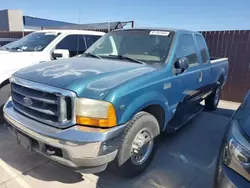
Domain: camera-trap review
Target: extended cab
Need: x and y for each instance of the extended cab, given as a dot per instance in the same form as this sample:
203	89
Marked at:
111	103
41	46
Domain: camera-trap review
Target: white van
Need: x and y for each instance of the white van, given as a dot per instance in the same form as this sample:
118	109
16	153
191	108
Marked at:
40	46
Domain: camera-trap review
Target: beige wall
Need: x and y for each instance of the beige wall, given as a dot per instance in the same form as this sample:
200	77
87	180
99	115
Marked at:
15	20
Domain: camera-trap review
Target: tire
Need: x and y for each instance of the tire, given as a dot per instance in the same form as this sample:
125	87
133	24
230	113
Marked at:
126	163
212	101
1	115
4	95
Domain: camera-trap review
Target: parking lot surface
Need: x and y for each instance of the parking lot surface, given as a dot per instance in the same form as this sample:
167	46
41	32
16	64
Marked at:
184	159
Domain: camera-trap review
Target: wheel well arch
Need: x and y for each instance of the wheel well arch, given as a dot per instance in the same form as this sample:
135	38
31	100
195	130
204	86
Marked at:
221	79
158	112
4	83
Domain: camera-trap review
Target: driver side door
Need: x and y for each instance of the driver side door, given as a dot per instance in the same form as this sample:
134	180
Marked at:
184	90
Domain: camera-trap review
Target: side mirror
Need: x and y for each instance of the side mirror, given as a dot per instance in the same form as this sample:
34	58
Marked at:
60	54
181	65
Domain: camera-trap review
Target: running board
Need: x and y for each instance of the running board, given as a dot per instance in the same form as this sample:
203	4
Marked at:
179	121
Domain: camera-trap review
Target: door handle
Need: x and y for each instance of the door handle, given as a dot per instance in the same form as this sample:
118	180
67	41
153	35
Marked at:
200	77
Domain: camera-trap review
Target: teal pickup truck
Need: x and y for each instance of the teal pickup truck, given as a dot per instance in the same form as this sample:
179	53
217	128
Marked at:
109	105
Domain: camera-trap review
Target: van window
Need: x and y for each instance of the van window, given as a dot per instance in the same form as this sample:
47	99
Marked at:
203	48
36	41
186	48
90	39
74	43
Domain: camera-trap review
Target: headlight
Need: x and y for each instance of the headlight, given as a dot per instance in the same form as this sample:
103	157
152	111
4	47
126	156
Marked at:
238	145
237	151
95	113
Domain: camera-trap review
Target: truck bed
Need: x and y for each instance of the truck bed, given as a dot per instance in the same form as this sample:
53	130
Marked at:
216	60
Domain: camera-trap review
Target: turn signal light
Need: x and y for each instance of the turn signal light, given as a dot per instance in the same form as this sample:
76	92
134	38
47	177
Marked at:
108	122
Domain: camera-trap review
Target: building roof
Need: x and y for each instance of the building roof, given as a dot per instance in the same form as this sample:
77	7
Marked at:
86	32
30	21
41	22
105	26
160	29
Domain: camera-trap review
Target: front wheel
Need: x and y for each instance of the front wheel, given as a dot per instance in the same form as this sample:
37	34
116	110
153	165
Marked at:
138	145
4	95
212	101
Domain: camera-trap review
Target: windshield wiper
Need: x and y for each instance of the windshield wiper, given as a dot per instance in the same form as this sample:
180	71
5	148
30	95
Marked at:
92	55
3	48
126	58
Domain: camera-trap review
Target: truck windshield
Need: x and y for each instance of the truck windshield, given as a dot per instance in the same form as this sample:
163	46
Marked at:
33	42
148	46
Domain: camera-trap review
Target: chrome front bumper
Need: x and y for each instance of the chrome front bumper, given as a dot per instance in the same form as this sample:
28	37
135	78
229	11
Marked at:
85	150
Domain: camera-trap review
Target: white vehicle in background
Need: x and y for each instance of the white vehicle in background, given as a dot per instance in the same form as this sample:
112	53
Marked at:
6	41
40	46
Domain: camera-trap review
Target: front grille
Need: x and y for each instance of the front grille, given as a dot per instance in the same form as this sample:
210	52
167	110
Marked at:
47	106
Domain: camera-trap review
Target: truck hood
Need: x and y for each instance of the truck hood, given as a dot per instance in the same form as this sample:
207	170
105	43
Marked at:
17	60
88	77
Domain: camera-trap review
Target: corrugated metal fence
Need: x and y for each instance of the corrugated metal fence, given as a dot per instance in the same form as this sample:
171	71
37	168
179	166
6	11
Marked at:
236	46
13	34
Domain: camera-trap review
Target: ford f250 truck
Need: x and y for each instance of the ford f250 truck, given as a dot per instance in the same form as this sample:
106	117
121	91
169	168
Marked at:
40	46
109	105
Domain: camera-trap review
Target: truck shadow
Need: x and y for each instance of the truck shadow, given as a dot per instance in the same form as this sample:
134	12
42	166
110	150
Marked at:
184	159
222	112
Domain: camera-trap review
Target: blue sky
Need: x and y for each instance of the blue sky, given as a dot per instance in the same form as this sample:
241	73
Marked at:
188	14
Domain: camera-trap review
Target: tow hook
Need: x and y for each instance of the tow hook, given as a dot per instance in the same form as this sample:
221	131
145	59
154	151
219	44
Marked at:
50	152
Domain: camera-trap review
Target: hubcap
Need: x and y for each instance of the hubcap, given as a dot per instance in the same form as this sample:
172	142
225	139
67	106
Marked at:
142	146
217	96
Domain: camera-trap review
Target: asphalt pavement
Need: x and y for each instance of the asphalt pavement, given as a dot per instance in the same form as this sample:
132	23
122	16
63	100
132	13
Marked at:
184	159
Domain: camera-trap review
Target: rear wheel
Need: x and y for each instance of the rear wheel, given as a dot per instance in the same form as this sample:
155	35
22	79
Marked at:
138	145
212	101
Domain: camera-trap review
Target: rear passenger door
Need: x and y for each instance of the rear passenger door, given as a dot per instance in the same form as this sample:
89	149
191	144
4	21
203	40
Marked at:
91	39
205	68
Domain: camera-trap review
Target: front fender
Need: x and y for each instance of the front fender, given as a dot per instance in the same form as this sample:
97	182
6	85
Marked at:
141	102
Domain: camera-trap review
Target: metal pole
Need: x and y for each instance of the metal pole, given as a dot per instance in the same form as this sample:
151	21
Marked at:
79	20
109	25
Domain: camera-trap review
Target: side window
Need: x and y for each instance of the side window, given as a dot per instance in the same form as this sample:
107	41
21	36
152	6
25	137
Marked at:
90	39
186	48
203	48
74	43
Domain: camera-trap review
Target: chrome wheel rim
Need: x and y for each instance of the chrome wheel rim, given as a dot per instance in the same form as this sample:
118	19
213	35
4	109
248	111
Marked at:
142	146
217	96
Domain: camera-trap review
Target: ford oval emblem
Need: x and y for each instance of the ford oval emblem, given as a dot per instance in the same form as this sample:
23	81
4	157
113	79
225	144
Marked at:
27	101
